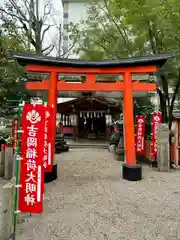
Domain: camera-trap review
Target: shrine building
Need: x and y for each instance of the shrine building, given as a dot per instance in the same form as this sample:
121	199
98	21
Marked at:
93	115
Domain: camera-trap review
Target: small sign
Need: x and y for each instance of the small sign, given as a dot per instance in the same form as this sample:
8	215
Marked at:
15	134
48	138
140	133
156	120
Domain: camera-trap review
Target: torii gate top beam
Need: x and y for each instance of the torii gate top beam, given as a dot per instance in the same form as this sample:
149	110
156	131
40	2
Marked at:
75	65
146	64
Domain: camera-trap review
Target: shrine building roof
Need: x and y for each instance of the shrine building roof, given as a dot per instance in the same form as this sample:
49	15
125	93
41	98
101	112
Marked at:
27	58
88	104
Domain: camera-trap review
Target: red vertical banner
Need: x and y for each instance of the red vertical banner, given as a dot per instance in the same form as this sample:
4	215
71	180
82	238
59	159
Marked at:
47	163
32	144
140	133
14	134
156	120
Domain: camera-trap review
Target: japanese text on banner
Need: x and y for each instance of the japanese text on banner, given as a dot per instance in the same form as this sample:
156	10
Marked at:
47	160
156	120
15	134
30	194
140	132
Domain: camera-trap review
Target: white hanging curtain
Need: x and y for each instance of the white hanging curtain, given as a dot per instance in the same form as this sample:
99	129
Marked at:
66	120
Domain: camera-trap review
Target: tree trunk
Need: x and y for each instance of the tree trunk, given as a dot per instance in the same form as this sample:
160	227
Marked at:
38	31
162	106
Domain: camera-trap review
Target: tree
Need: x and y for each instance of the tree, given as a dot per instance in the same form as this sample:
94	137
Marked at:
143	106
126	28
22	18
12	85
123	28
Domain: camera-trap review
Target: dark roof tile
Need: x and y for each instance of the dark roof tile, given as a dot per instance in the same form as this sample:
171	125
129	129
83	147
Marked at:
24	59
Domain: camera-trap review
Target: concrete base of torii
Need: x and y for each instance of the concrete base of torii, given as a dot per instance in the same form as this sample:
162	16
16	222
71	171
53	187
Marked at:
51	176
132	173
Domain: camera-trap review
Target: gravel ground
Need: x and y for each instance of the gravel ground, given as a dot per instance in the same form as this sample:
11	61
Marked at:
90	201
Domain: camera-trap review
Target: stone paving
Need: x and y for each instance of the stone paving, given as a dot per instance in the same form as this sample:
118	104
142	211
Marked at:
90	201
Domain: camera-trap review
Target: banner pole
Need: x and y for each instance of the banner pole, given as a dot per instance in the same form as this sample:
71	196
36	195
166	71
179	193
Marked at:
17	158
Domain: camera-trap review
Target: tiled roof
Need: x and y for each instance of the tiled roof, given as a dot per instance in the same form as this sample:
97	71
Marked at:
24	58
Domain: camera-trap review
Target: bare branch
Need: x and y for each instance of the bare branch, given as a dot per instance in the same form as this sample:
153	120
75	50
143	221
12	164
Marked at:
47	11
10	14
44	32
72	46
105	30
29	36
27	5
21	14
27	21
110	17
50	48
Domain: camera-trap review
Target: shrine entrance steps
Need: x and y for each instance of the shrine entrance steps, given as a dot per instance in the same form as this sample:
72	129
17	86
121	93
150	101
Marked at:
85	143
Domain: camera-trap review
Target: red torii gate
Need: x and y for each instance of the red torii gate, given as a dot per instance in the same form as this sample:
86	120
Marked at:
54	66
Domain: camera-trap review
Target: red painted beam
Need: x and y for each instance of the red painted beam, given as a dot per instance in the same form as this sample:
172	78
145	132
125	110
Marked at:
64	86
143	87
137	69
104	87
38	86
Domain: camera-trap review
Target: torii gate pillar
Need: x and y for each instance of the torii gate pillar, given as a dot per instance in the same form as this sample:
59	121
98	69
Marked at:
130	170
52	101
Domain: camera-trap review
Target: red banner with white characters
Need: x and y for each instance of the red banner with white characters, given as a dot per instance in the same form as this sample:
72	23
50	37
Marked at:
32	144
48	137
156	120
15	134
140	133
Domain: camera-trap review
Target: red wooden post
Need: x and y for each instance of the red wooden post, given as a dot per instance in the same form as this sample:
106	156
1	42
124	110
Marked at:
52	101
130	170
129	121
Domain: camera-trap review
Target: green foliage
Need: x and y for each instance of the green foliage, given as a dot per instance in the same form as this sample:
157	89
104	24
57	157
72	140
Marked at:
143	106
121	28
12	85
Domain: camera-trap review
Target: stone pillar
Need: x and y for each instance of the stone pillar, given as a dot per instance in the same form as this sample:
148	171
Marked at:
108	119
6	211
75	136
14	166
2	162
8	167
163	148
74	124
108	132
